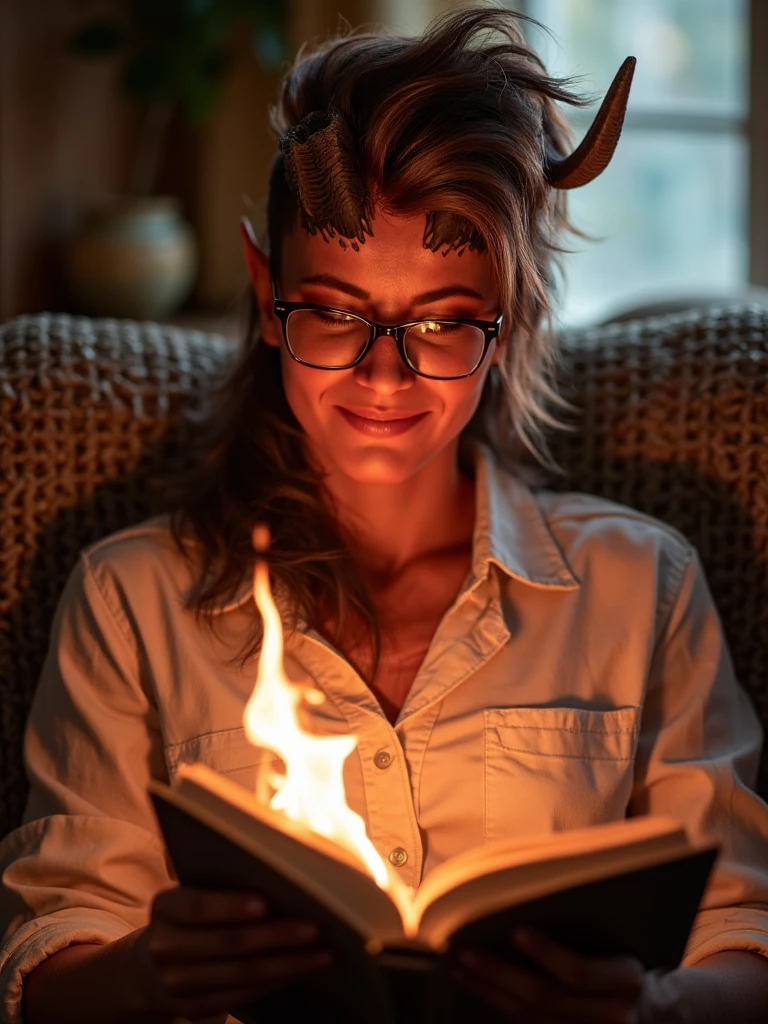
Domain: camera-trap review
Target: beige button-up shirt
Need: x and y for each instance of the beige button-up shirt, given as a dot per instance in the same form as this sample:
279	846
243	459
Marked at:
579	676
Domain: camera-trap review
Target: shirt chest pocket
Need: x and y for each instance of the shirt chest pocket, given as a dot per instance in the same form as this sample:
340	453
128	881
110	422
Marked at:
551	769
227	751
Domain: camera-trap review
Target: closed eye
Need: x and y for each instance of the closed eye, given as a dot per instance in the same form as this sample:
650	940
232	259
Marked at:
328	319
436	328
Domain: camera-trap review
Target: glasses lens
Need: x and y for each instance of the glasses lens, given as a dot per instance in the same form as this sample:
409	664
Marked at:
442	349
325	339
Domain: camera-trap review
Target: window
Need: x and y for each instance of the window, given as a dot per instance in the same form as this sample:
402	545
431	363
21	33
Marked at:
672	209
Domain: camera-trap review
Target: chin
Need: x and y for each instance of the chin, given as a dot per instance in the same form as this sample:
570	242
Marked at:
378	465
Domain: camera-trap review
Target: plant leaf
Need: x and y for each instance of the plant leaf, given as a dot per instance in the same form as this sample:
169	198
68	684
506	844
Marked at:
150	76
199	99
216	63
99	37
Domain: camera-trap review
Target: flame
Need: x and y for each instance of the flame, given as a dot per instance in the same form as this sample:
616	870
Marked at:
311	789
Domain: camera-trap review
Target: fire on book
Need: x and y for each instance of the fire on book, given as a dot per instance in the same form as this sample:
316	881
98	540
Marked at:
310	788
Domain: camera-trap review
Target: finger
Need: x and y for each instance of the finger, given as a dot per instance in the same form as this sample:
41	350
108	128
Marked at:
503	1001
524	986
172	944
564	1004
257	975
513	1009
190	906
200	1006
587	973
556	1007
535	995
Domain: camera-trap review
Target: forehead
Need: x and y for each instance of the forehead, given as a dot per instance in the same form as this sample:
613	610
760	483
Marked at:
393	257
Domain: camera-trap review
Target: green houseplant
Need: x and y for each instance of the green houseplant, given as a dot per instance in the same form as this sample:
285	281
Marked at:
134	255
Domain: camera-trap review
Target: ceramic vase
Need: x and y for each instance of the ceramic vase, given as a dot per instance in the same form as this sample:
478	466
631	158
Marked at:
134	258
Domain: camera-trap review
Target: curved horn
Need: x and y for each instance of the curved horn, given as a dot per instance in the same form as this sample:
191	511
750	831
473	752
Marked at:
594	153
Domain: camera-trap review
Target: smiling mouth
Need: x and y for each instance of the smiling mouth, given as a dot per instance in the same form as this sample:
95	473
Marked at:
376	426
377	417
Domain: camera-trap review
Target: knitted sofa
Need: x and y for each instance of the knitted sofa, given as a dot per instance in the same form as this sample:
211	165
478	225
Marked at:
675	423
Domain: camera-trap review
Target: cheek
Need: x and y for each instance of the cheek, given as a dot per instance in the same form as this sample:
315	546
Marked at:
466	398
306	391
303	388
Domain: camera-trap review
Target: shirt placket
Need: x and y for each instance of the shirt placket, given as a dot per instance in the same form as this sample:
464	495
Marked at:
391	758
470	635
391	817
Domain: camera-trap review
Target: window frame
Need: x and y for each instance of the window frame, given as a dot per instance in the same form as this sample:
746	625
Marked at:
752	126
757	138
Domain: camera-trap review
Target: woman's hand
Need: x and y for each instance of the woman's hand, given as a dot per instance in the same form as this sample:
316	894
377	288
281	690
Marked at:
203	952
571	988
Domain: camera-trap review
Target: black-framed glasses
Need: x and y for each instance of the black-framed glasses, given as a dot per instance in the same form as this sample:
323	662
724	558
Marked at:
335	339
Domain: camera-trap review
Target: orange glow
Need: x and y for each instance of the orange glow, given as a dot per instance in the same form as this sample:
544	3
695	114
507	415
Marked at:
311	789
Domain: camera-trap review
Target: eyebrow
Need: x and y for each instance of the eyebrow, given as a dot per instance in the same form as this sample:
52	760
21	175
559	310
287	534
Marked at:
358	293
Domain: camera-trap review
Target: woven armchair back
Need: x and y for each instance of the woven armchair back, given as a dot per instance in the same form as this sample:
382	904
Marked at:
675	423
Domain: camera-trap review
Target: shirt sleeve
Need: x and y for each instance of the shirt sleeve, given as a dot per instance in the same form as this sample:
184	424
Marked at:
698	757
88	857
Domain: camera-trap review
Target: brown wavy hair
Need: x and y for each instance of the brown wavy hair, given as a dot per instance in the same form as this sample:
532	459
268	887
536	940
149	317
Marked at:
453	120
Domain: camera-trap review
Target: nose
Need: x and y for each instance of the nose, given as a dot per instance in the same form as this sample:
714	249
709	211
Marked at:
383	370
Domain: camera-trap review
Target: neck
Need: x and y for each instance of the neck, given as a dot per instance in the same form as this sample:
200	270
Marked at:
389	526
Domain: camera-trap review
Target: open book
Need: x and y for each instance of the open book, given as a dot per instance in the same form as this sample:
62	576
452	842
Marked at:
630	887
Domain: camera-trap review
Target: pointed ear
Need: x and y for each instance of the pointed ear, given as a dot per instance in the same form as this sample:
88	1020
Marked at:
259	272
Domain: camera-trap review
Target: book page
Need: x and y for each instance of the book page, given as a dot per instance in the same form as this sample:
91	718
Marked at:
509	872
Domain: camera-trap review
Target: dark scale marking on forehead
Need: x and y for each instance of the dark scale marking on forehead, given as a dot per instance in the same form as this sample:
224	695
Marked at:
324	173
322	169
449	231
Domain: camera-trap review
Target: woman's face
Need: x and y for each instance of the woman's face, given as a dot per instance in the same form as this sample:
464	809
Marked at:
391	279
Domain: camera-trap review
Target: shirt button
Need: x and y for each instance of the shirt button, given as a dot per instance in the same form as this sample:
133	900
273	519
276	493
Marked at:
382	759
398	856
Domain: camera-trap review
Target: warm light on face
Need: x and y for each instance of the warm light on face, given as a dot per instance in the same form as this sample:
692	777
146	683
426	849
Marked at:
311	789
392	269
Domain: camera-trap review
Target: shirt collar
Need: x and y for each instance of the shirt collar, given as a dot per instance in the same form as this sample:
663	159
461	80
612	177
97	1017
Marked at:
510	532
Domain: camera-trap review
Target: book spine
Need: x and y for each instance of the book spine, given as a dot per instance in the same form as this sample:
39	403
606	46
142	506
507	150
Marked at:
413	981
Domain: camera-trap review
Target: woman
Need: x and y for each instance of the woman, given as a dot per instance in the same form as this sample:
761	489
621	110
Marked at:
476	633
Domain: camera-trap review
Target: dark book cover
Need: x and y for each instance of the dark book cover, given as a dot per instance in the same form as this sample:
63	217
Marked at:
645	913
